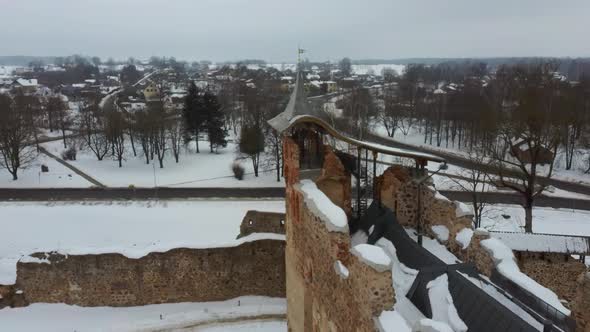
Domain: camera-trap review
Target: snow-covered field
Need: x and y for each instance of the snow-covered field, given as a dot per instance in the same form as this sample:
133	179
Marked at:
133	229
510	218
203	169
376	69
158	317
58	176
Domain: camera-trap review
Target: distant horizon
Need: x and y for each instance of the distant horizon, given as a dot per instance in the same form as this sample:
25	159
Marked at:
376	60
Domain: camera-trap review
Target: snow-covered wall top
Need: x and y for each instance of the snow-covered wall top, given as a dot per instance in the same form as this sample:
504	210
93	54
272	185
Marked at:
373	256
506	265
544	243
322	206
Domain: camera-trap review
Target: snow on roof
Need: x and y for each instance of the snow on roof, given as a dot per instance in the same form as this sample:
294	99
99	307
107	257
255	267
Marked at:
373	256
441	232
25	82
441	302
464	237
506	265
392	321
544	242
492	291
426	324
332	215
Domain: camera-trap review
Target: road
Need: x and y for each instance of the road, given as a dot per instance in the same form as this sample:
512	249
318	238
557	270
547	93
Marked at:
466	163
166	193
73	194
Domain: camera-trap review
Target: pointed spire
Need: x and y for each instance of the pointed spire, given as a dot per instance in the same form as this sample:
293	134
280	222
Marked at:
298	105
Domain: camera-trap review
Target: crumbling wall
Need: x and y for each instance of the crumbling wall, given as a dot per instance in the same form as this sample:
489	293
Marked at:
178	275
262	222
400	193
558	272
581	305
334	181
330	301
319	296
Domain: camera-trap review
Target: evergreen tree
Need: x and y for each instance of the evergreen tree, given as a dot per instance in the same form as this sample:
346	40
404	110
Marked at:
193	112
252	144
215	121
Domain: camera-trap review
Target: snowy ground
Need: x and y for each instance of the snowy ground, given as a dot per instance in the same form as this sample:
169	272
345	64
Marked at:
577	174
377	69
260	326
510	218
160	317
204	169
130	228
58	176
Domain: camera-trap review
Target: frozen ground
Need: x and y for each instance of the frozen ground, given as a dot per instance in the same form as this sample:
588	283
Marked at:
159	317
130	228
577	174
203	169
255	326
377	69
510	218
58	176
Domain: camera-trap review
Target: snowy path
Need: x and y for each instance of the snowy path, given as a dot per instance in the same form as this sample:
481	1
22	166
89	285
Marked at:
157	317
74	169
267	322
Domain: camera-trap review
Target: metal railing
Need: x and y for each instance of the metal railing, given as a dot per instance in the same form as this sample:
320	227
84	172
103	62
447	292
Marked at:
559	319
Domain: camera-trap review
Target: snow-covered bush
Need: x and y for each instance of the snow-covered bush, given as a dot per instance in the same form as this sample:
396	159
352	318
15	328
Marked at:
69	154
238	170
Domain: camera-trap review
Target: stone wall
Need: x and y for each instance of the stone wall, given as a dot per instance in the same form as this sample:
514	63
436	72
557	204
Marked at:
335	182
178	275
319	298
558	272
581	305
400	193
262	222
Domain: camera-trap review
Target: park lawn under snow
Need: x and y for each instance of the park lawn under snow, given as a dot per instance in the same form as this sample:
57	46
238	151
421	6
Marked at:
510	218
58	176
133	229
157	317
204	169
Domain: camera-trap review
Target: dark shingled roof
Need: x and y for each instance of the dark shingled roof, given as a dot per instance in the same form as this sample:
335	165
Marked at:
298	105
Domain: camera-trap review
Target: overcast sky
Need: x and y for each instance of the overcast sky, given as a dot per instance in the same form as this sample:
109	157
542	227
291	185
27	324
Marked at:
272	29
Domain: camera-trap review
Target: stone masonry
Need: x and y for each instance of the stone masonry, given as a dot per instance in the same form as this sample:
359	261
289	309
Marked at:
262	222
178	275
318	297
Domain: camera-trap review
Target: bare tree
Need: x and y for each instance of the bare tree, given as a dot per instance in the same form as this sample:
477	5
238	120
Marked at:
115	129
63	118
175	132
159	120
476	181
529	139
92	128
16	134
